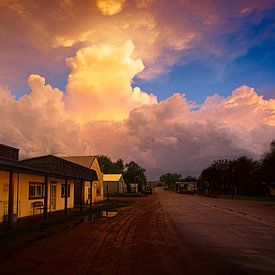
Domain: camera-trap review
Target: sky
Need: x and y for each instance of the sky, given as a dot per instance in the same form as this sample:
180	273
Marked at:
172	85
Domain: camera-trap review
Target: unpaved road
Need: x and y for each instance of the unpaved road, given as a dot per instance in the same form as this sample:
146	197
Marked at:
223	236
136	241
165	233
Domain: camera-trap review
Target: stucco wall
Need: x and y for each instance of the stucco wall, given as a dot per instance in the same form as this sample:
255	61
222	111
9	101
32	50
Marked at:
4	193
99	183
113	187
96	184
21	194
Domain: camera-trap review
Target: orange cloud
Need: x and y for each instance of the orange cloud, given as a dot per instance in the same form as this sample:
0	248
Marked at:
161	31
99	85
110	7
165	136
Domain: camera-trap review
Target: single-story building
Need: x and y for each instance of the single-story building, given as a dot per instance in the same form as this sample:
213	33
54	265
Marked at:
114	184
90	162
134	187
39	185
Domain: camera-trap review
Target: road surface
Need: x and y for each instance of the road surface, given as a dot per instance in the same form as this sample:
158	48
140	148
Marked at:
223	236
166	233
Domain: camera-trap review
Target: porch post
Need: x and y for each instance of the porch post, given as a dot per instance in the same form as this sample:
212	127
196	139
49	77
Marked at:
91	194
10	202
66	197
45	212
81	195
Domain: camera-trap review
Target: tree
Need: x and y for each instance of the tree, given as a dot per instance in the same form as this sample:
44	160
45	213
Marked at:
135	174
268	164
218	175
107	166
170	179
243	170
118	167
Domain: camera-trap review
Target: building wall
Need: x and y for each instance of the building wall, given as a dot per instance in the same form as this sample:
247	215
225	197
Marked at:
23	205
123	185
60	201
98	184
87	192
4	193
113	187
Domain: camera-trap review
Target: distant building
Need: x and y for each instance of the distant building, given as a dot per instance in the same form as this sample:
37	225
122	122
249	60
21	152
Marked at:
90	162
114	184
134	187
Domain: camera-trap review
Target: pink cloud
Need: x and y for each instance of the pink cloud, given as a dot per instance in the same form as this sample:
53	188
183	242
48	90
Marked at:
165	136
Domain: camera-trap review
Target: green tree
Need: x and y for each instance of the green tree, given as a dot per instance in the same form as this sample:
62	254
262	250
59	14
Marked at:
118	167
268	164
107	166
135	174
170	179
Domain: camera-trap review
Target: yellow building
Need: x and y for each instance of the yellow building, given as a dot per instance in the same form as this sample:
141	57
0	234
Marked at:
90	162
39	185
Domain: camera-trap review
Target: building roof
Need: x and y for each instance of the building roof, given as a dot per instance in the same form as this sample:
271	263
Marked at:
17	166
85	161
59	167
112	177
8	152
46	165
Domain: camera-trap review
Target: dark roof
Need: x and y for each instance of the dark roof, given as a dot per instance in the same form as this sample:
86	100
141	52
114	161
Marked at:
16	166
85	161
51	166
9	152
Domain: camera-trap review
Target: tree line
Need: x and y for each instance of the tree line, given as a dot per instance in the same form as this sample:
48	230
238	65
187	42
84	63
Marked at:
132	172
242	176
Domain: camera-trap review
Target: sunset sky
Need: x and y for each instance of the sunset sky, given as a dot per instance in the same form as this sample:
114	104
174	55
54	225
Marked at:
172	85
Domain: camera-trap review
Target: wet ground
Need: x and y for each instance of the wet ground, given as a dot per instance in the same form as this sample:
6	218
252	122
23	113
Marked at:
223	236
167	233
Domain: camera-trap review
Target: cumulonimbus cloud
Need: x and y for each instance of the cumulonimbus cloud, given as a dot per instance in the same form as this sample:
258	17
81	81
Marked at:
166	136
162	31
110	7
99	84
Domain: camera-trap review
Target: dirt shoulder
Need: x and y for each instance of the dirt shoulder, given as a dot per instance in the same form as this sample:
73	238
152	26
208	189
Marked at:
138	240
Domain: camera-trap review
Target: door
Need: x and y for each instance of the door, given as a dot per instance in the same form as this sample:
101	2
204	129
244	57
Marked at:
53	196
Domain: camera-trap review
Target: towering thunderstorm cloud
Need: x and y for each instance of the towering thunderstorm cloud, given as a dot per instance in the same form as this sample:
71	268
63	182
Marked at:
100	113
97	49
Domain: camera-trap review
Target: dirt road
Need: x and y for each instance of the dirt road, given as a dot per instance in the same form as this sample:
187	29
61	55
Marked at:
223	236
136	241
167	233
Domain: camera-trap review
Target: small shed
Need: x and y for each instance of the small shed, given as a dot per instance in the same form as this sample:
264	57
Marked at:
134	187
114	184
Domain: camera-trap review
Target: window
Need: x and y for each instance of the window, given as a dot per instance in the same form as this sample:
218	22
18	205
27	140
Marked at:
36	190
63	186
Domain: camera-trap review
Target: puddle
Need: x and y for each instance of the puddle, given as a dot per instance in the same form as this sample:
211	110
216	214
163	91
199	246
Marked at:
109	214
